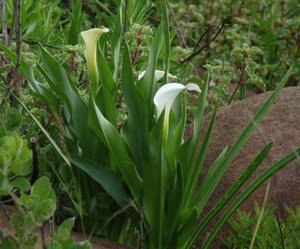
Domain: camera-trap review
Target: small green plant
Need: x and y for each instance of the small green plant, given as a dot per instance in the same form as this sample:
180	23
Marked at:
34	210
15	164
273	232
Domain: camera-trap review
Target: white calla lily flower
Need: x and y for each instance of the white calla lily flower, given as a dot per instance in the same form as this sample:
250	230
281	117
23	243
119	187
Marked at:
159	74
91	38
164	99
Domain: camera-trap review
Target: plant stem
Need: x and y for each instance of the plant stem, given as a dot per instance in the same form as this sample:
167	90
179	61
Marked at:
4	26
221	29
240	82
260	215
280	230
35	161
177	28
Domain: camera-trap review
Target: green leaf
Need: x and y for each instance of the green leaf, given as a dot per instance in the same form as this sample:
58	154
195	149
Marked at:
198	164
210	182
108	179
147	84
116	43
135	130
106	104
105	75
13	118
156	183
9	242
43	190
116	147
21	183
77	111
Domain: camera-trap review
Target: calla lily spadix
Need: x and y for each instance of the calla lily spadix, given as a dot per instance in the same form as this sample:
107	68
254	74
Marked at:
91	38
164	99
158	75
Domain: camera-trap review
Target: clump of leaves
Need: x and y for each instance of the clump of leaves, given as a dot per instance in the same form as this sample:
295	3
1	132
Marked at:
272	233
15	164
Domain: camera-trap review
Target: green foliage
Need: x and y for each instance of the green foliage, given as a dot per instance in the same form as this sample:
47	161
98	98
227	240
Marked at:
112	140
38	19
63	240
267	27
273	233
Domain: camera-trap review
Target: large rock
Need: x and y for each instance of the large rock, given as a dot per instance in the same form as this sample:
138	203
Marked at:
281	125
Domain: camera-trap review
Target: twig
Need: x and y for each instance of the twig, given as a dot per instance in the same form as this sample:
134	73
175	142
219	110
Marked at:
5	98
4	26
18	32
126	18
43	236
203	35
15	82
4	211
177	28
142	235
47	124
32	42
280	230
35	161
240	82
221	29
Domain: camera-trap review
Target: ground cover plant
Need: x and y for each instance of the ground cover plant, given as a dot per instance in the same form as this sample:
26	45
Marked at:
273	232
108	96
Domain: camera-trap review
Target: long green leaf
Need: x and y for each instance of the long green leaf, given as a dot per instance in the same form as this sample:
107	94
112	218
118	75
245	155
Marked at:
155	185
105	75
117	149
76	114
167	37
116	43
147	84
136	128
193	145
109	180
198	163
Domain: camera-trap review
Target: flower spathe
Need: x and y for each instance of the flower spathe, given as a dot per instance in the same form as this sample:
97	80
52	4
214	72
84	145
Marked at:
166	95
159	74
164	99
91	38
